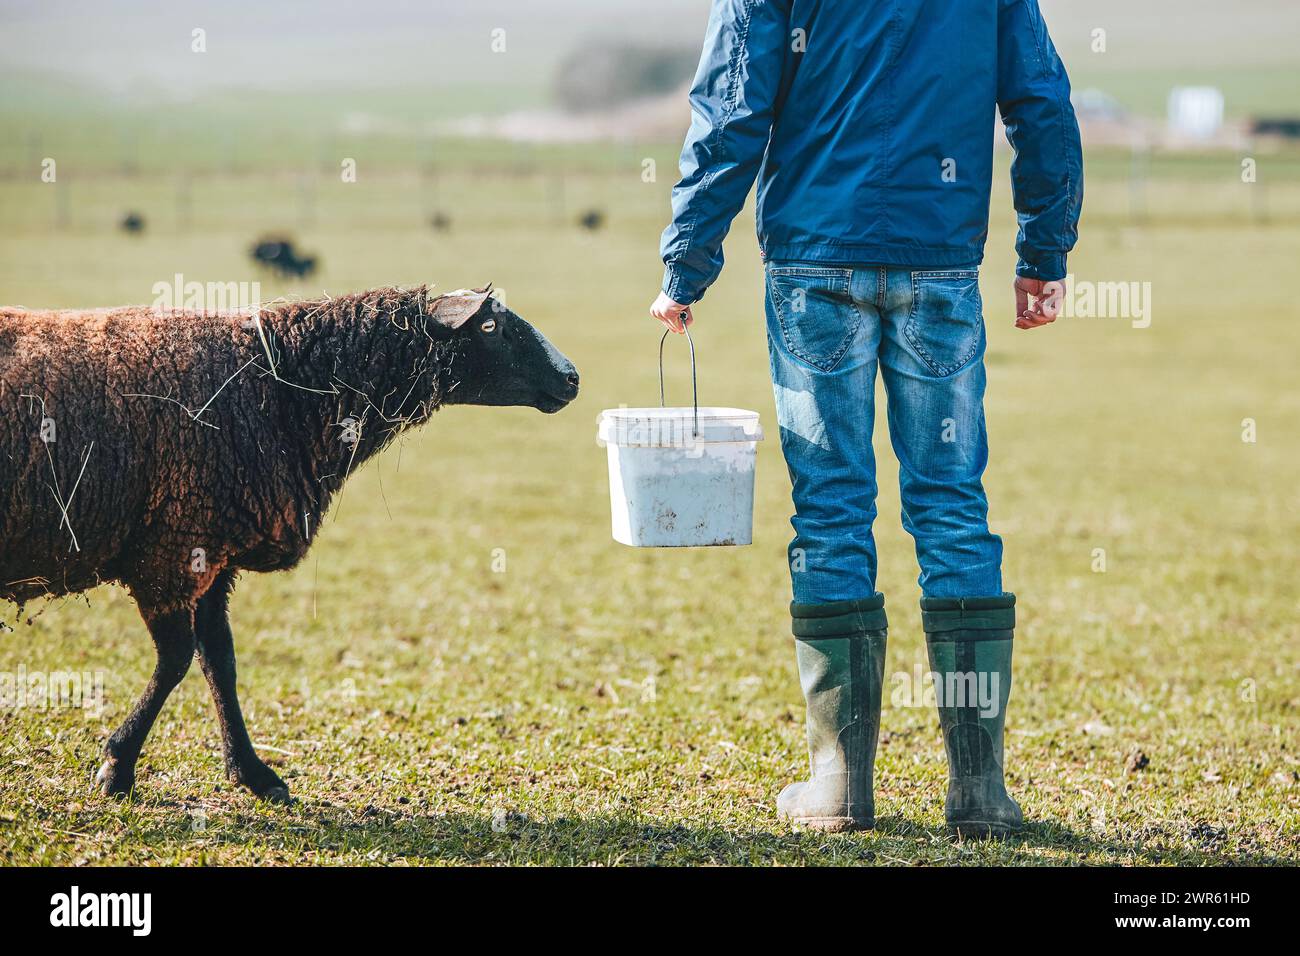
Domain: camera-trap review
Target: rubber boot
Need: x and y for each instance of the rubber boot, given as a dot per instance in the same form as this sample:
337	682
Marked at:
969	643
841	653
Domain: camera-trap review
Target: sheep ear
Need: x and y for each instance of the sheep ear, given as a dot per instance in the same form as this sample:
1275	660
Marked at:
454	309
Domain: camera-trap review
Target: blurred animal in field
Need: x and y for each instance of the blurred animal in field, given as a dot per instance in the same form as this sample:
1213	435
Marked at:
168	451
132	222
592	220
440	222
280	256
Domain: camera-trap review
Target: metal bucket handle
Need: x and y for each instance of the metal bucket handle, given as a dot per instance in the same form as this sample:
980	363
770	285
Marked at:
695	392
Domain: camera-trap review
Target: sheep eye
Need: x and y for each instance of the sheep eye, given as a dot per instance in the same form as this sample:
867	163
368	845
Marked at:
489	326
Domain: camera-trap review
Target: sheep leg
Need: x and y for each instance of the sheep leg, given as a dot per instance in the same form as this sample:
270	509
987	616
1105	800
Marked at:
173	638
217	658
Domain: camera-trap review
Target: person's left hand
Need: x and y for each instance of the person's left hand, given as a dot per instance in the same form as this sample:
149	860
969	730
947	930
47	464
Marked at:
1046	305
676	316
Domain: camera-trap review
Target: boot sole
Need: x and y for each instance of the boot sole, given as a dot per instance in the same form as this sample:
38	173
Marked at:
832	824
981	830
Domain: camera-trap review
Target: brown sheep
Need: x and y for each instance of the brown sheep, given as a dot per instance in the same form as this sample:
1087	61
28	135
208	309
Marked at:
168	451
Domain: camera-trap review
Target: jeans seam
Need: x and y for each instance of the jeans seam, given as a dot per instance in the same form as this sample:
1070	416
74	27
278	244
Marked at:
810	271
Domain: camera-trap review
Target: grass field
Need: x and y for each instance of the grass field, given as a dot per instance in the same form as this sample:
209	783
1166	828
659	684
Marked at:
597	704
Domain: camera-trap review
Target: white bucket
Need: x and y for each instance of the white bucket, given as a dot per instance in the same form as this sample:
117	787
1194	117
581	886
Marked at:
671	486
680	477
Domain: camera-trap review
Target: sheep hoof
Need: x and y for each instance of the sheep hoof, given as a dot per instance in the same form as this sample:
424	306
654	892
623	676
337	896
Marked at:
276	795
113	780
264	782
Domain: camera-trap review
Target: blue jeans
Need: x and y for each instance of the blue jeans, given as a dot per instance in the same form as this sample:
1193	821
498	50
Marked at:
828	329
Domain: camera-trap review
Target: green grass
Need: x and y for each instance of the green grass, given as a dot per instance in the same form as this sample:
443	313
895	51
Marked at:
609	705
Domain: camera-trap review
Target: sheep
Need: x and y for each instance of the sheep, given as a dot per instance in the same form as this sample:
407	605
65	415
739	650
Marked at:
169	451
279	256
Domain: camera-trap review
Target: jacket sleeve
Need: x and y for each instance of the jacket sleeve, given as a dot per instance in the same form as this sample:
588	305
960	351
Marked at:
733	105
1047	171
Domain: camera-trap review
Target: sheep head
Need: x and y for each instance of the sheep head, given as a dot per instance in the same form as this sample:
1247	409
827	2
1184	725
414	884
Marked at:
501	359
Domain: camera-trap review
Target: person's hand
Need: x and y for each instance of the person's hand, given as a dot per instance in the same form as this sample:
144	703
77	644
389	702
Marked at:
676	316
1047	302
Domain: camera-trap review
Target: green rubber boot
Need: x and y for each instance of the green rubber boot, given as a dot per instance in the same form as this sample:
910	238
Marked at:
841	653
969	642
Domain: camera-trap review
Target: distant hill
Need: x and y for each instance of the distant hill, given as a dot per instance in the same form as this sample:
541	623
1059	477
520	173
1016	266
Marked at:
602	74
112	82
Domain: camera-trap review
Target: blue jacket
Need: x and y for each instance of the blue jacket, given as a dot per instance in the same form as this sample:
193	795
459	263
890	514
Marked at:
870	124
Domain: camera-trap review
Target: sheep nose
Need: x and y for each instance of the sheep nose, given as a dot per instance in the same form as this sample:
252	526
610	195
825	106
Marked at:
572	379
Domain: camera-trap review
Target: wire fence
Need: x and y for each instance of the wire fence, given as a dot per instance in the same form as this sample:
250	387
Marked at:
629	186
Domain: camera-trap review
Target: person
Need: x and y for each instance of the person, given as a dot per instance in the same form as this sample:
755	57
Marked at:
870	128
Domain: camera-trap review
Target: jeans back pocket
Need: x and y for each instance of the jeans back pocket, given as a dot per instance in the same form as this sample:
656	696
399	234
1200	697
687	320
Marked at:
816	312
946	322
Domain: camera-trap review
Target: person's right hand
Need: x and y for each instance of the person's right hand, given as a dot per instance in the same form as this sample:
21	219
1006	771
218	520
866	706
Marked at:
1047	302
674	315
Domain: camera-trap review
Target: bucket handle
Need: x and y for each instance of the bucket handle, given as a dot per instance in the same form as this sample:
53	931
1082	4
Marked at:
695	392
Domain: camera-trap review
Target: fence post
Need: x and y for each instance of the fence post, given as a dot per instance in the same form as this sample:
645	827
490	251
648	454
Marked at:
1139	171
306	200
558	202
62	204
184	205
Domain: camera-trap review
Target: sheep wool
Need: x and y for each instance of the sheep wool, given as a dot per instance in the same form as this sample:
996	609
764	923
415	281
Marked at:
157	449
